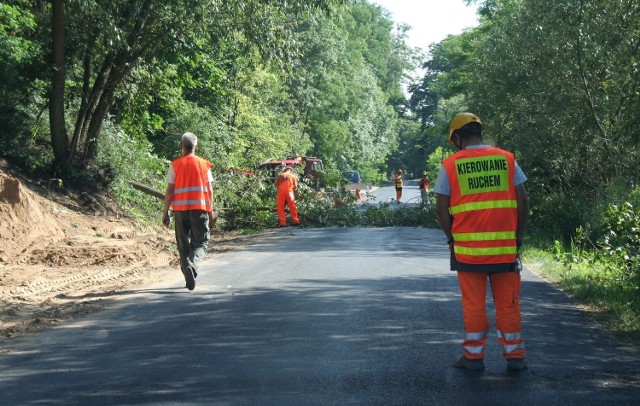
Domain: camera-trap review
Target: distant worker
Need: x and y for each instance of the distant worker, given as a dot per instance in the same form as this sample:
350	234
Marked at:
482	208
424	188
355	178
190	193
286	185
398	184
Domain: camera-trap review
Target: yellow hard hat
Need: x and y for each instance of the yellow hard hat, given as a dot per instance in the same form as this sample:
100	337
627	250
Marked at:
460	120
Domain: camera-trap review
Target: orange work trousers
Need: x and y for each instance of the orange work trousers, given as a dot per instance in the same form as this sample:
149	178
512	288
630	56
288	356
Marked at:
286	198
505	287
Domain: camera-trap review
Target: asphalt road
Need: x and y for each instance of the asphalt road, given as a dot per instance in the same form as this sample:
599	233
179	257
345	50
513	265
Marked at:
316	316
387	194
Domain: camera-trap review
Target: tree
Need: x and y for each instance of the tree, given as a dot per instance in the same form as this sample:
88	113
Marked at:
348	89
59	141
127	33
557	86
19	59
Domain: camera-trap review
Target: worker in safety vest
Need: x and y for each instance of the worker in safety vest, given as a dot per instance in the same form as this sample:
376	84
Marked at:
482	208
286	185
424	188
190	194
397	180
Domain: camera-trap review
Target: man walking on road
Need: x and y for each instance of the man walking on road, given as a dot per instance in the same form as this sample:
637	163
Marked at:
190	194
482	208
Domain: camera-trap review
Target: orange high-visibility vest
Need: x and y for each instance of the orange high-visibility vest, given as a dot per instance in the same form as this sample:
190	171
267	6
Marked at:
191	190
287	182
483	205
398	182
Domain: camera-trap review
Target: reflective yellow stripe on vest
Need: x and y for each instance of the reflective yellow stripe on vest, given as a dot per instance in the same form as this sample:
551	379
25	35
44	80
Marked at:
485	236
485	250
490	204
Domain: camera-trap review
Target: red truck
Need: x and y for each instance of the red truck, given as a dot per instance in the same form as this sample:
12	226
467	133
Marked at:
309	167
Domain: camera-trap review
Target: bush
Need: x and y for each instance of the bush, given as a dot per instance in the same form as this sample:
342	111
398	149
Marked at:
621	243
122	159
244	202
604	272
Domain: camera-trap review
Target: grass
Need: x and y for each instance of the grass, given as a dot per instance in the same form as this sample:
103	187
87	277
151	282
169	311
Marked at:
606	297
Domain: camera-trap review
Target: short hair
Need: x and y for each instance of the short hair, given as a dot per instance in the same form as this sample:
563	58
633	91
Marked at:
472	129
189	141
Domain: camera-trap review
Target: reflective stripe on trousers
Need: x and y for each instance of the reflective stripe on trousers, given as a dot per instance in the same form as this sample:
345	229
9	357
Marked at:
505	287
473	344
512	344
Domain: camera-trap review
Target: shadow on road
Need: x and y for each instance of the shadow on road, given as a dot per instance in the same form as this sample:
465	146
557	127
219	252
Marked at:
373	339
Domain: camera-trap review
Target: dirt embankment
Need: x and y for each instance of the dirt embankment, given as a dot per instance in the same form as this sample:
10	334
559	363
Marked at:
63	255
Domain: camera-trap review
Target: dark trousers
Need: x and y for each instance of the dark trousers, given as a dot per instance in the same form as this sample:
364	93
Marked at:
192	236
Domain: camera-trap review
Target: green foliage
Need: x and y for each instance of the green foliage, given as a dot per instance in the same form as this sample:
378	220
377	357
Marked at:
248	202
336	209
434	163
215	142
553	83
348	80
412	147
592	282
122	159
327	208
540	76
621	243
244	202
387	216
20	57
253	79
605	273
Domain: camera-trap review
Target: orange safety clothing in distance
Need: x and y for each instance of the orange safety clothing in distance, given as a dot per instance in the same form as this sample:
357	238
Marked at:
191	190
286	185
398	182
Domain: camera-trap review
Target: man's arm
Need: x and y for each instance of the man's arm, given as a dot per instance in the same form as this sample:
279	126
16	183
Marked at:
444	218
523	212
168	196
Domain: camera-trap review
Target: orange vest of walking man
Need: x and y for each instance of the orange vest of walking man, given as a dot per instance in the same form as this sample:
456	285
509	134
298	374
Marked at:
286	185
482	208
190	194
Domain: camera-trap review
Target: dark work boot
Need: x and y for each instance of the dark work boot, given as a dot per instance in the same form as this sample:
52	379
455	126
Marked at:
516	364
189	278
470	364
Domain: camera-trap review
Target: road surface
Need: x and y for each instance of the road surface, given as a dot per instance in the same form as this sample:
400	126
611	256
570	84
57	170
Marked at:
316	317
387	194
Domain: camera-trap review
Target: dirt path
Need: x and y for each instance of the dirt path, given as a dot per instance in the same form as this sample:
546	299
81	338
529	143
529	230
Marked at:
65	256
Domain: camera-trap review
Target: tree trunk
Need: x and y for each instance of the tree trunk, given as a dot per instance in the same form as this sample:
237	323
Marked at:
86	87
104	94
113	71
59	141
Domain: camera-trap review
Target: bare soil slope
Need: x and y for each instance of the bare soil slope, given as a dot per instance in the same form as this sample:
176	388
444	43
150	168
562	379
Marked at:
65	255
